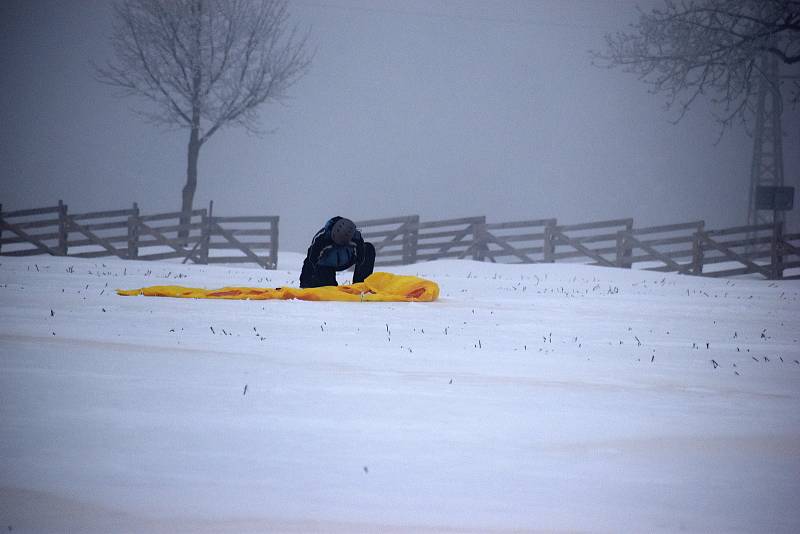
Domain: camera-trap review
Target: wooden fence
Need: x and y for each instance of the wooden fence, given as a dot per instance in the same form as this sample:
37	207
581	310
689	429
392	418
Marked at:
395	239
686	248
668	248
129	234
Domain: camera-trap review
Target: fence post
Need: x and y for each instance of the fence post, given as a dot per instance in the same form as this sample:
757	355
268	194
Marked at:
205	232
621	248
624	249
549	244
410	239
627	253
776	249
63	232
697	253
133	233
479	239
273	242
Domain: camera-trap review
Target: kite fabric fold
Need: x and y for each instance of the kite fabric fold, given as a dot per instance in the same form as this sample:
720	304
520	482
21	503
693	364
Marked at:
378	287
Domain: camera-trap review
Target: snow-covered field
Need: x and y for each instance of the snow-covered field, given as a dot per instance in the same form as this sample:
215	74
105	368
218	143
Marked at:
529	397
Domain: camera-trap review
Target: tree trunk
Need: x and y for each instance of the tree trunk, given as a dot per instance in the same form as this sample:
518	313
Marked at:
191	183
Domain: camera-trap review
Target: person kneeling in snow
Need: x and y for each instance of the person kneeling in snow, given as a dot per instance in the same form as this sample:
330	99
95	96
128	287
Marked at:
336	247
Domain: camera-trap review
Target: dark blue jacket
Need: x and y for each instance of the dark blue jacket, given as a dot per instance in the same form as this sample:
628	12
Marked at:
323	252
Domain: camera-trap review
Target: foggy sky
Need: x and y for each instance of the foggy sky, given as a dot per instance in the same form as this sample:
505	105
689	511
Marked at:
437	108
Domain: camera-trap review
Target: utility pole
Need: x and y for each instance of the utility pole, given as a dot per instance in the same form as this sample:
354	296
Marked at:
767	164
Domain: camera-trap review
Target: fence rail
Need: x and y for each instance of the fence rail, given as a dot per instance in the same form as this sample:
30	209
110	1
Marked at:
687	248
129	234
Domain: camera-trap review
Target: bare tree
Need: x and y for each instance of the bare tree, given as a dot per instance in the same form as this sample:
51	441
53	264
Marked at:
204	65
711	48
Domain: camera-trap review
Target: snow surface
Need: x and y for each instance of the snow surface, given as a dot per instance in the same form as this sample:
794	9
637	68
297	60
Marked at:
529	397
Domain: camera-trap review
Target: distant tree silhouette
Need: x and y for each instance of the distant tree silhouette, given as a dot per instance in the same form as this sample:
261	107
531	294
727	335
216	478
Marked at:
204	65
711	48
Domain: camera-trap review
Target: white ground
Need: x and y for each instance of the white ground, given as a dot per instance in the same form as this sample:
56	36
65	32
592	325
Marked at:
539	397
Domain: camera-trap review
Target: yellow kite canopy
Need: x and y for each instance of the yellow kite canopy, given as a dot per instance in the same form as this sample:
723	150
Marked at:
378	287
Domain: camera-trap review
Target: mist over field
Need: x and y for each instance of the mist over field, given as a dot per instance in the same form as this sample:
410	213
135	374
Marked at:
442	109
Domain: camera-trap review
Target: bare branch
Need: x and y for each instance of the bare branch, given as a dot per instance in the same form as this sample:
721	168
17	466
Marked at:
203	65
708	48
208	63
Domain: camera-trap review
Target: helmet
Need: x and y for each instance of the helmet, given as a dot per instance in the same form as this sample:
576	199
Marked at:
342	231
